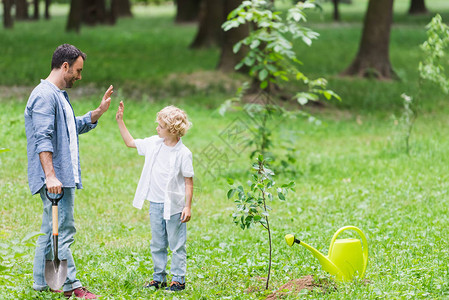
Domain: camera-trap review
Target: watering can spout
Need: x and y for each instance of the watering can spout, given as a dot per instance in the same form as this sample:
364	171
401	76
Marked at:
325	262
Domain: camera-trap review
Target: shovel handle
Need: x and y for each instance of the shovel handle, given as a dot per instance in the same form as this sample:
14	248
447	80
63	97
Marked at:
54	209
54	201
54	214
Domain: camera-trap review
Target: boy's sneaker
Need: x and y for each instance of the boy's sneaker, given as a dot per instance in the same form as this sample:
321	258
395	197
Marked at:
176	286
81	293
156	284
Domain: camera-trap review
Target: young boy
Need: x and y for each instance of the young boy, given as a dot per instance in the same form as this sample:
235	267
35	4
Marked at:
167	182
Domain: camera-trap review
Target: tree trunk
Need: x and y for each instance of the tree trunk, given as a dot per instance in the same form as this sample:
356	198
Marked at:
121	8
417	7
211	18
75	16
229	59
21	10
47	9
90	12
112	14
373	58
36	9
7	18
336	11
187	11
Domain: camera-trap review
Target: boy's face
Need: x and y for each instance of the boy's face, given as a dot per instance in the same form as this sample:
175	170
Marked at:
163	131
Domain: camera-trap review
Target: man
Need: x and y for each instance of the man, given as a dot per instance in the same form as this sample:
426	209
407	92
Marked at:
53	159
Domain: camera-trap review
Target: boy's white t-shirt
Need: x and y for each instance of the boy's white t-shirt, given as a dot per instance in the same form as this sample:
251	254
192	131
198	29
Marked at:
160	175
180	166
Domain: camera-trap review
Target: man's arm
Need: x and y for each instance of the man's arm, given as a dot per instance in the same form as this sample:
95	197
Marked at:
104	105
186	212
54	186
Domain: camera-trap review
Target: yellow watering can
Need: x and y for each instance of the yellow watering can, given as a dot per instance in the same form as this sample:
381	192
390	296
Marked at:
346	257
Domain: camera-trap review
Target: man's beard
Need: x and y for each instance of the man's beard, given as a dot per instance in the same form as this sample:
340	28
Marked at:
69	83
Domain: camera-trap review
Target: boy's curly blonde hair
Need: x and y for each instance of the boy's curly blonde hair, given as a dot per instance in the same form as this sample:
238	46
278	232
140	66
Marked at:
175	119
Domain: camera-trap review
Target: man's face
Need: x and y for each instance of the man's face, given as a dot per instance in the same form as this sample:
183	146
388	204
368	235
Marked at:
74	72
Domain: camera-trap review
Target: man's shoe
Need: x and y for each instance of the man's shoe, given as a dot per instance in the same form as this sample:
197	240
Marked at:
81	293
176	286
156	284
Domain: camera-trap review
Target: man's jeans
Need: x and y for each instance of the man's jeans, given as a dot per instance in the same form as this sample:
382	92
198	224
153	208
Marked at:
44	248
166	233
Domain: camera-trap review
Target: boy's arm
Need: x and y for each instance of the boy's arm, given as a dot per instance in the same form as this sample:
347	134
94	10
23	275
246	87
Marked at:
127	137
186	212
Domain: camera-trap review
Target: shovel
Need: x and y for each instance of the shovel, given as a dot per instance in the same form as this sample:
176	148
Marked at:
55	270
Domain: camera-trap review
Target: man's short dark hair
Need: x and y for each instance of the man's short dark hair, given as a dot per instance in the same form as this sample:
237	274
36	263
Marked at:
66	53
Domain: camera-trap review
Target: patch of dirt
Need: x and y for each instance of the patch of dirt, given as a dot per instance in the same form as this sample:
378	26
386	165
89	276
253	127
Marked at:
295	286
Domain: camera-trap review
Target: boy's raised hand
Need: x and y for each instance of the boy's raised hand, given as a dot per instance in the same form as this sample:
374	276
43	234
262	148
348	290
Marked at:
120	110
127	137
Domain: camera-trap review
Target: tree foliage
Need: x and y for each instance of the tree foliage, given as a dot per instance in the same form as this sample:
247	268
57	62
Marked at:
271	61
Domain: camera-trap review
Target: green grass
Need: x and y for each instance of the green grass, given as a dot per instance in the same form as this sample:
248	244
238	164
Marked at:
349	173
352	170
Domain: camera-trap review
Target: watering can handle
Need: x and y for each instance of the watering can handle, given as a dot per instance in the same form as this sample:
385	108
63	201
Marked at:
364	242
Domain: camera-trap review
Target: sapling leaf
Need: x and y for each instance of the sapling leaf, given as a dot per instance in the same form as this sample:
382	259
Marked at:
231	193
236	47
281	196
263	74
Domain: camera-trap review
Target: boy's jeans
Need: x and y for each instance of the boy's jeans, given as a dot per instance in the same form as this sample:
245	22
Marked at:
44	248
166	233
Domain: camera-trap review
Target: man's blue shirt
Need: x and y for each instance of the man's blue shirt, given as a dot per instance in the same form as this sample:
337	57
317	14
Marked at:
46	130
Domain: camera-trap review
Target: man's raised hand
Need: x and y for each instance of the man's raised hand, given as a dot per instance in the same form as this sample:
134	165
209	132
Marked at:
104	105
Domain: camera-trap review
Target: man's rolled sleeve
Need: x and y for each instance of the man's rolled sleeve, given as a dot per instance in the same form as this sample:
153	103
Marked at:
84	123
43	124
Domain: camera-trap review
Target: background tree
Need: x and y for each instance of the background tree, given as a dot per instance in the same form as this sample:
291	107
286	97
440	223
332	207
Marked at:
373	58
47	9
93	12
121	8
417	7
187	11
336	10
229	59
212	15
36	9
7	17
21	9
74	19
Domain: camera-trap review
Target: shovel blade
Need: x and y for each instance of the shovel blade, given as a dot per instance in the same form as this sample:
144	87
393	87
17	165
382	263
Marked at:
55	273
